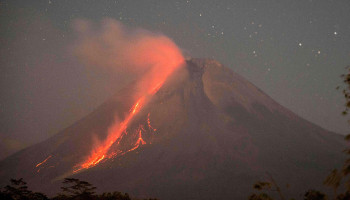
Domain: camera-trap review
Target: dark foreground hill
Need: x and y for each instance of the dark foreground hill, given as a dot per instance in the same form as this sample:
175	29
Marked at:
207	134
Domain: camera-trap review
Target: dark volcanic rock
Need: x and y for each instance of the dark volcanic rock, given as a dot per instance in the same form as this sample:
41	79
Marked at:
217	134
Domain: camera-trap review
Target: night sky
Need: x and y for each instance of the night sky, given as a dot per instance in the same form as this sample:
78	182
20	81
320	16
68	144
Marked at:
295	51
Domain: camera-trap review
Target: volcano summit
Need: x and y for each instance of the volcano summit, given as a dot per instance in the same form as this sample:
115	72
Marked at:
206	133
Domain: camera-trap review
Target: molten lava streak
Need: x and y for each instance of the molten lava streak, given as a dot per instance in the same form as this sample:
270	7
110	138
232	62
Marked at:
100	152
154	82
44	161
149	123
139	141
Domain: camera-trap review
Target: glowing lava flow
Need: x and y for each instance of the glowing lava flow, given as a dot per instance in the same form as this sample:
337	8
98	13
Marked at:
117	130
44	161
162	57
149	123
100	153
139	141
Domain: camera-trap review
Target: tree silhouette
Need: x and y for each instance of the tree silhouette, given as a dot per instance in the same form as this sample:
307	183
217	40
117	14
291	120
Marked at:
346	90
333	180
18	190
314	195
261	196
74	189
77	189
114	196
269	186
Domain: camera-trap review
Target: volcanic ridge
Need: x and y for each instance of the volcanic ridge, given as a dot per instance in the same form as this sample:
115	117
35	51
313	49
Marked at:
206	133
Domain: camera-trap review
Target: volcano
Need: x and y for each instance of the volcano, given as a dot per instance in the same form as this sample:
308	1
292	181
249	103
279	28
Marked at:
206	133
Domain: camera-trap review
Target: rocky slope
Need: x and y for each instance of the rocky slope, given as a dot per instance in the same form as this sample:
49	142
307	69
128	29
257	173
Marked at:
208	134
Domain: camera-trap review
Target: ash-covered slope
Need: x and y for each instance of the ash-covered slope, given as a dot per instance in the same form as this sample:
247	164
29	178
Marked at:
207	134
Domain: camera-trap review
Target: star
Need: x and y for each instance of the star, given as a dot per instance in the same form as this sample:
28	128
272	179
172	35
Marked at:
300	44
254	53
335	33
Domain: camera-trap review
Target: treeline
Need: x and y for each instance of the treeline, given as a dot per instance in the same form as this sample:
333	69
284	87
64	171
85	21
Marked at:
338	178
73	189
266	189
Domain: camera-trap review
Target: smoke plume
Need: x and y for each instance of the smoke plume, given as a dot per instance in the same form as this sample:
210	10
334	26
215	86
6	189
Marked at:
148	57
126	51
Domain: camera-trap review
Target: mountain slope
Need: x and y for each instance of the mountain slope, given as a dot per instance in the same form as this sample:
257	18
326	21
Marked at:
206	134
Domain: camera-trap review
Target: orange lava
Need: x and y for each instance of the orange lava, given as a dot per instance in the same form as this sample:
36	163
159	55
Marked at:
43	162
100	152
140	140
138	104
149	123
165	58
116	132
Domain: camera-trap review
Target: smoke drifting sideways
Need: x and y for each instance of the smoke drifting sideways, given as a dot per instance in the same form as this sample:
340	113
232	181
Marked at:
150	57
125	51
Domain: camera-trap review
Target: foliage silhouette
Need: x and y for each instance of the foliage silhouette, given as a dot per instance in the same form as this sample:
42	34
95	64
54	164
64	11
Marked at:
114	195
268	186
74	189
314	195
77	189
261	196
18	190
335	179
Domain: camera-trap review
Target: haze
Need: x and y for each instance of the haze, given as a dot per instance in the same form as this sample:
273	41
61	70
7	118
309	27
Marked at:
293	51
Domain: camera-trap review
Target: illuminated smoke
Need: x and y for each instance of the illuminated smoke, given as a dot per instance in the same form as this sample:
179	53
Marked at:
148	56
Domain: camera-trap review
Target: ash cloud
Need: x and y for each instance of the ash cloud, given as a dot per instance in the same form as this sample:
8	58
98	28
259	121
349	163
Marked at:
150	58
127	52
